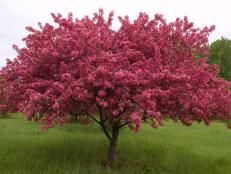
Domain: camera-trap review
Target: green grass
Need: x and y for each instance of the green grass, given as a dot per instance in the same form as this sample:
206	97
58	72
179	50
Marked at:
78	149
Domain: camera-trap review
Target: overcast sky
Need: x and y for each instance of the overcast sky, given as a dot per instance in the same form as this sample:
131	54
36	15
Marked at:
16	14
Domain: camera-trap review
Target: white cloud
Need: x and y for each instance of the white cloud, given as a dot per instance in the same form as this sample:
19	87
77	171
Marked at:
16	14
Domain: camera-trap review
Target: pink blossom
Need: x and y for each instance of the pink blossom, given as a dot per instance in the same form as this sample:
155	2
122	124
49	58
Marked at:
146	69
101	93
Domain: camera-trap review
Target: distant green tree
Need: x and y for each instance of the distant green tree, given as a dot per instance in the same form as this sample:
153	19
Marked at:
220	53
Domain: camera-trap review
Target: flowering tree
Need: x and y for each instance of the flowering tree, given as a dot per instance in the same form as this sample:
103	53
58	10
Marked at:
146	70
5	105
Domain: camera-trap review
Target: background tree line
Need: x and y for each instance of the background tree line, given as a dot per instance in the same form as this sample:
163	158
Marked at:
220	54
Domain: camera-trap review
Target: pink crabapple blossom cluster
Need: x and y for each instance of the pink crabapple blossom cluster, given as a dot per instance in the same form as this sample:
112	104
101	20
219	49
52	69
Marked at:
148	69
5	105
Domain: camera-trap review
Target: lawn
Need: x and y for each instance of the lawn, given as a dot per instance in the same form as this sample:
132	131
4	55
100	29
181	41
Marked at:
79	149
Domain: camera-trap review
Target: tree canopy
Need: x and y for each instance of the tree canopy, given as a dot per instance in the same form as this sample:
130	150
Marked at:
5	105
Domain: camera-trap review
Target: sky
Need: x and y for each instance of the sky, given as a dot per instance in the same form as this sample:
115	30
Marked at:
15	15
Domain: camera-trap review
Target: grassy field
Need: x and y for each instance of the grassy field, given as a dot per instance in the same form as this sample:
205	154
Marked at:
78	149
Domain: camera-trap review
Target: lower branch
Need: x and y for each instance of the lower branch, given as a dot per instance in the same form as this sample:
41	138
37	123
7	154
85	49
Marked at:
124	124
93	118
103	126
106	132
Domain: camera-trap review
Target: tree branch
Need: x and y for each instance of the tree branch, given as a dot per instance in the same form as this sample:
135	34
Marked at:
101	122
93	118
106	132
124	124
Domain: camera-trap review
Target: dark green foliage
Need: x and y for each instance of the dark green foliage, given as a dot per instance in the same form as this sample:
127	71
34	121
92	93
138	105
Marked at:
220	54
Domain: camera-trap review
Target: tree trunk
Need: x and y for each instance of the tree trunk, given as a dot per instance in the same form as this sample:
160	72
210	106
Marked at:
112	146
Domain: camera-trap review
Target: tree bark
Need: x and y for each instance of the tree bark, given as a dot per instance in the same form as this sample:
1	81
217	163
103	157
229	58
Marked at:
112	146
112	136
